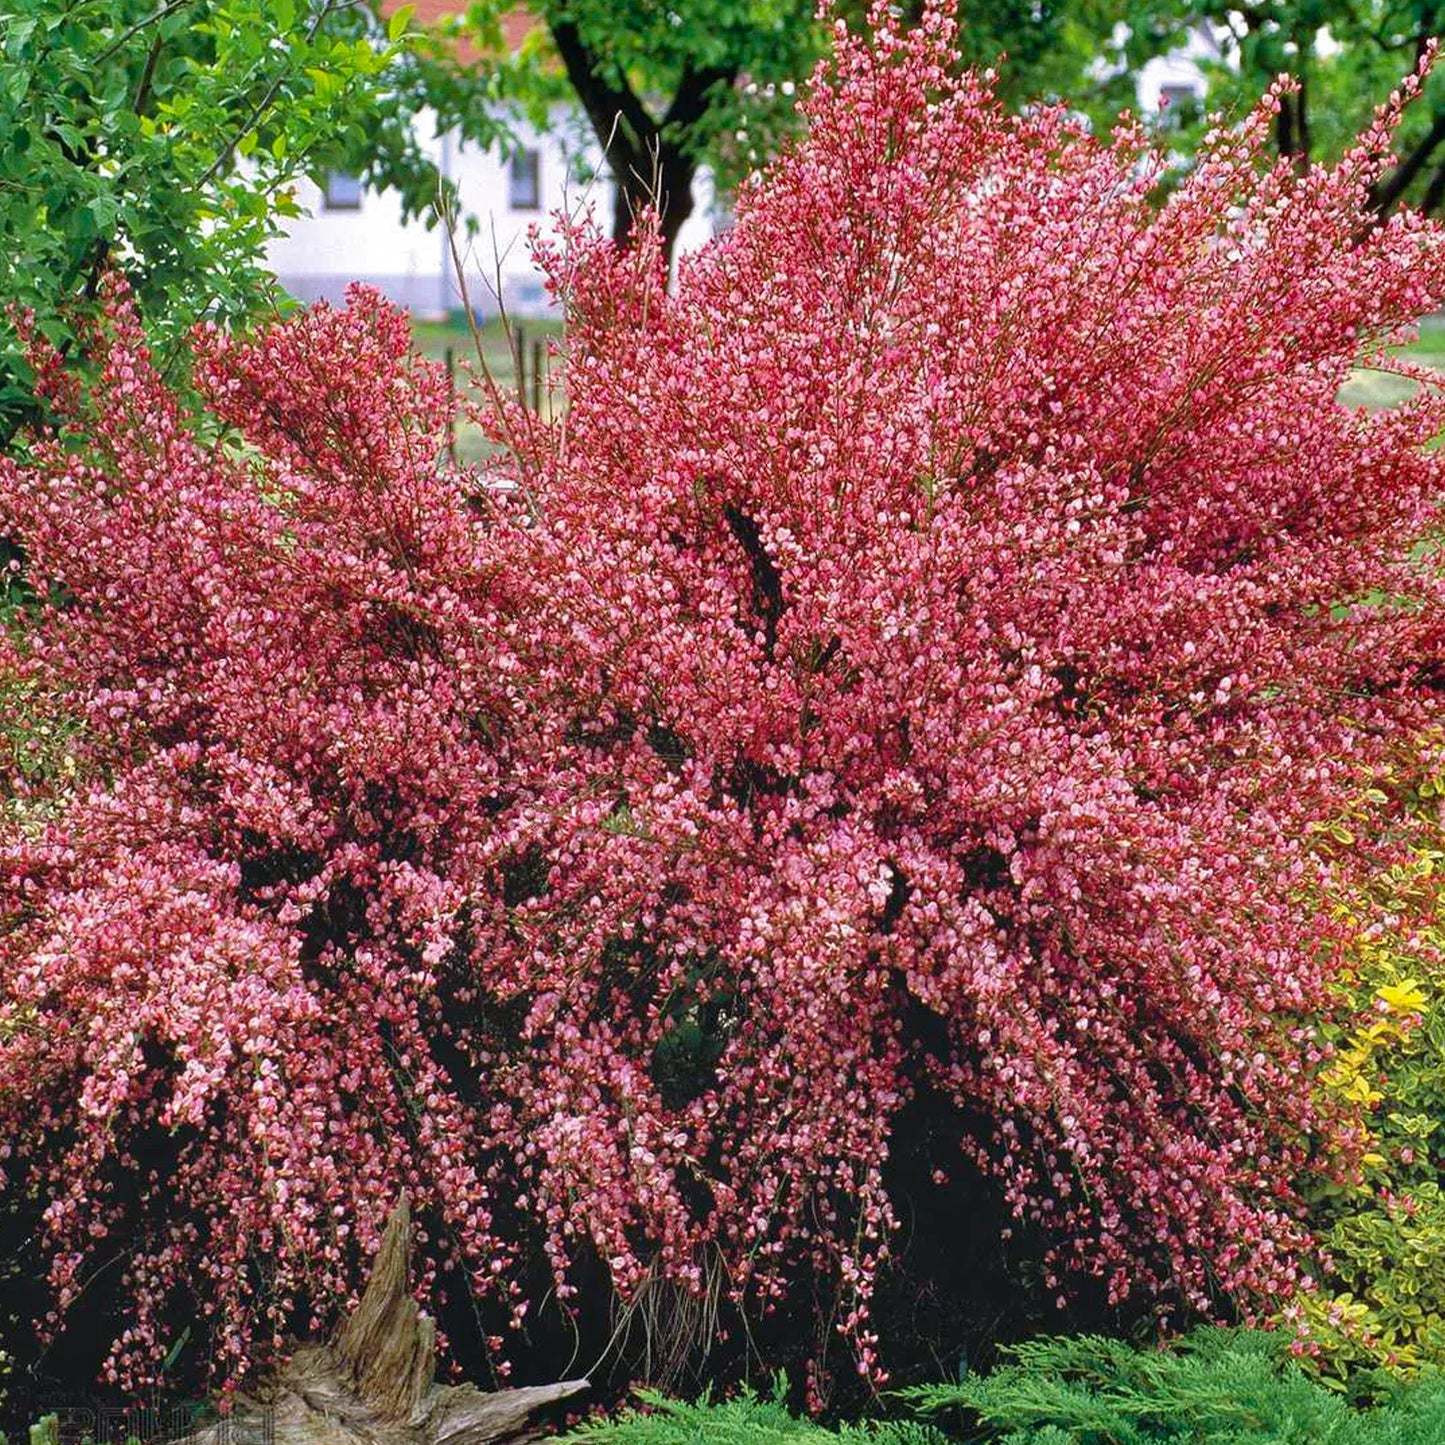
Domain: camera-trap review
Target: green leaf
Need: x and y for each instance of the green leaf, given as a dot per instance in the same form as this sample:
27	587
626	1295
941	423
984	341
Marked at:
401	18
105	209
18	32
325	82
174	1353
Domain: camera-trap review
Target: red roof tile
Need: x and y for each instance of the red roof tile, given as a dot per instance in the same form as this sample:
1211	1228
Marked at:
517	23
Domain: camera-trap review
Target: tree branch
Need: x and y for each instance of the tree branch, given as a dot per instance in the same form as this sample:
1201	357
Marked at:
609	107
647	157
127	36
1434	193
689	105
260	108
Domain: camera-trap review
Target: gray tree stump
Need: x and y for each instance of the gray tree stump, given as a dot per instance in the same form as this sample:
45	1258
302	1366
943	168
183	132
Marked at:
374	1382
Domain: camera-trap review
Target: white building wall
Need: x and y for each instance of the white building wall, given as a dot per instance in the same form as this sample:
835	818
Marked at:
324	250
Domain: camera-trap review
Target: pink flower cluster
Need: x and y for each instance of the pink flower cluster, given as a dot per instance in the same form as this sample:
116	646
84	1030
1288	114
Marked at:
910	663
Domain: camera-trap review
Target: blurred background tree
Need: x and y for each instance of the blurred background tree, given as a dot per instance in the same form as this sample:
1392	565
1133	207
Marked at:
1345	56
671	88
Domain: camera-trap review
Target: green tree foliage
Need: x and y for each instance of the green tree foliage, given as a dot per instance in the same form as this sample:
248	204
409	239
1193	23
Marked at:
1215	1387
166	137
1344	55
1049	50
668	87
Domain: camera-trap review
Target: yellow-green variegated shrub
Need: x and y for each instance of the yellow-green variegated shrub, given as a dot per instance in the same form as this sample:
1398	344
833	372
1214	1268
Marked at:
1382	1298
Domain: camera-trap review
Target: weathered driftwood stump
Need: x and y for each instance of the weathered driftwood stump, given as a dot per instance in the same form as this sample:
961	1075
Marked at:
374	1382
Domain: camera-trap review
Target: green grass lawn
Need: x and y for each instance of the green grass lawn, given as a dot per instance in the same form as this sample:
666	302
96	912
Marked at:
1430	348
1375	389
500	350
436	338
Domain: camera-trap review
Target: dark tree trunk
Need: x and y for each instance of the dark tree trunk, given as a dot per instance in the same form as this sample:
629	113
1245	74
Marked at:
1434	193
1391	189
648	157
1292	127
667	188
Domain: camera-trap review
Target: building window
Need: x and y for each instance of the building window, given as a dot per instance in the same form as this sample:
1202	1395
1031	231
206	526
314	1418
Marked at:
342	191
1178	106
524	189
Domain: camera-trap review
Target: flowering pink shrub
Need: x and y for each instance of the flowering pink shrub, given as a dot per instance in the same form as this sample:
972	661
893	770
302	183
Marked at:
910	663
